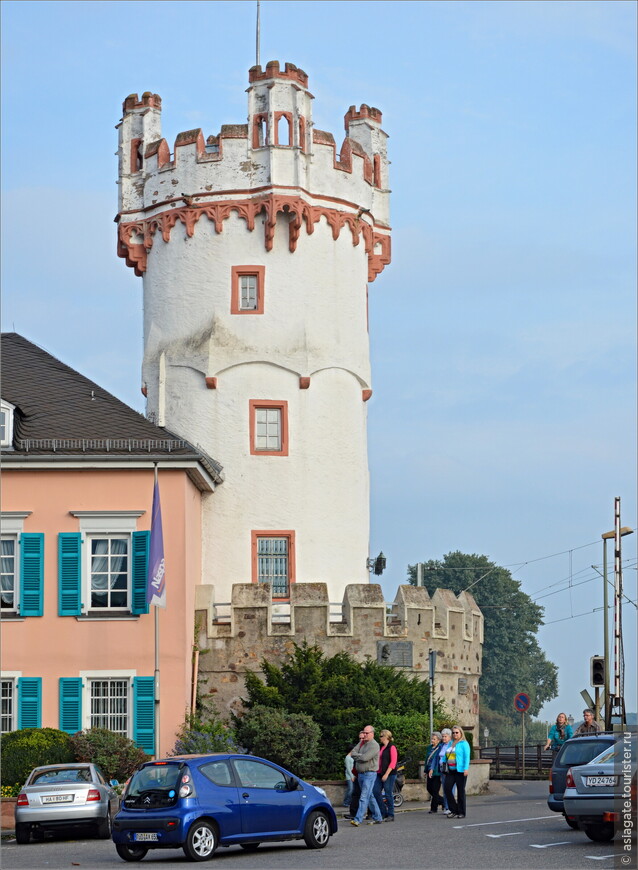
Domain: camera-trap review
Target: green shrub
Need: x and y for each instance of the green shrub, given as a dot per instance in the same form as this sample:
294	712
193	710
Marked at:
115	755
31	747
288	739
199	736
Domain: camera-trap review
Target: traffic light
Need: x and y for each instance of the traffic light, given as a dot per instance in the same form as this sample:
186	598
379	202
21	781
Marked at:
597	670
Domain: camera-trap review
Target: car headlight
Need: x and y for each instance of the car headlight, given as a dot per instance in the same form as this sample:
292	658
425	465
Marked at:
321	791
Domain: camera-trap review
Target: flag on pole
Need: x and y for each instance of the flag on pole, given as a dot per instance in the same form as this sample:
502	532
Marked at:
156	580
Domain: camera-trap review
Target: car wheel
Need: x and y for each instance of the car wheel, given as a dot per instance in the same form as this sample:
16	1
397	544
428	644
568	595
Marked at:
602	833
130	853
317	832
398	799
201	841
104	826
23	834
572	823
249	847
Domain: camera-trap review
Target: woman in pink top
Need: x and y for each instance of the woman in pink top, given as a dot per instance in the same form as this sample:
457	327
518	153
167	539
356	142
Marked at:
386	775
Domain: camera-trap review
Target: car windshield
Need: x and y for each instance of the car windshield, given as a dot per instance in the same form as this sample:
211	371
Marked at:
70	774
580	752
617	752
155	777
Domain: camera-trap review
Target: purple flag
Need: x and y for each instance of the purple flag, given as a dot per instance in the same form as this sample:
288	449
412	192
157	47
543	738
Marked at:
156	580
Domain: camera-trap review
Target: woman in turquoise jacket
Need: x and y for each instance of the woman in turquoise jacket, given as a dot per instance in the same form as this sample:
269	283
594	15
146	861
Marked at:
559	733
457	760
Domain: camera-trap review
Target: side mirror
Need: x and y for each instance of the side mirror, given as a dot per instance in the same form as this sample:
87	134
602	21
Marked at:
293	783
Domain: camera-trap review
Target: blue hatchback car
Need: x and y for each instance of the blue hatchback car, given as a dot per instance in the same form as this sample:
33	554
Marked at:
200	802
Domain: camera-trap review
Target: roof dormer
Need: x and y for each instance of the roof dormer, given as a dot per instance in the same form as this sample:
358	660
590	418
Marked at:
6	423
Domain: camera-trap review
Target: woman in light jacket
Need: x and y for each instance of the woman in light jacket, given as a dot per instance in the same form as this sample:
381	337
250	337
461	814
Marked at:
457	759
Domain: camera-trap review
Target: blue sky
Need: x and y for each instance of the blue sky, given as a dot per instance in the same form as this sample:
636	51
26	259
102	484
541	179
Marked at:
503	334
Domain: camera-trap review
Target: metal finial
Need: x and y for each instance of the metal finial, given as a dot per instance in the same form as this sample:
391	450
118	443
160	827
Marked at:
257	35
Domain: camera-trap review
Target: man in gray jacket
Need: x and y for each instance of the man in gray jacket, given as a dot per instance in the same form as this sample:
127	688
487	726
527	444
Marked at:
366	761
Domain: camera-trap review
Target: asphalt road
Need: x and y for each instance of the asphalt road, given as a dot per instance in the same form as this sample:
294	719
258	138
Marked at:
511	829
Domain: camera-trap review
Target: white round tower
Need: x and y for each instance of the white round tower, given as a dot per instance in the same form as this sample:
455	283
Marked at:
256	247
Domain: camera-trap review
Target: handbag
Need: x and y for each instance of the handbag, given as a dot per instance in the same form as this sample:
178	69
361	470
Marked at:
443	767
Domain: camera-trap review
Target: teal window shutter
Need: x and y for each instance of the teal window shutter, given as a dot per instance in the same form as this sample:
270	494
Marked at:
30	702
31	574
69	573
141	544
70	704
144	713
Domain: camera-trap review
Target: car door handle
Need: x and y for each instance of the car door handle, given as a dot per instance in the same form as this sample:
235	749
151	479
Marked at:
245	794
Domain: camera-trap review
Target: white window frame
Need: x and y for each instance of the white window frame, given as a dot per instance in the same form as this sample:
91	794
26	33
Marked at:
248	292
12	528
88	677
105	524
272	429
6	425
11	677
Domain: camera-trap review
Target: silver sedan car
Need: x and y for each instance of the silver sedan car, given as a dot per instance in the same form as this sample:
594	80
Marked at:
595	793
65	797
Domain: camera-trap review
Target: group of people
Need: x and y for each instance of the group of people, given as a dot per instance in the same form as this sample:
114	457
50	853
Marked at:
447	764
371	771
562	730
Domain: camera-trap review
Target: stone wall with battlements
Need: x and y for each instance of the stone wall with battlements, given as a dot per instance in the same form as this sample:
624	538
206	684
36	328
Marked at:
235	637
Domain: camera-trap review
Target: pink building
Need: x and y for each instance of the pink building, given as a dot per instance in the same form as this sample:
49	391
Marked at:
77	636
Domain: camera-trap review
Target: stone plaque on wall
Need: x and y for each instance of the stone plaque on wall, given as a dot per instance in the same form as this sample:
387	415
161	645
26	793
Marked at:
397	653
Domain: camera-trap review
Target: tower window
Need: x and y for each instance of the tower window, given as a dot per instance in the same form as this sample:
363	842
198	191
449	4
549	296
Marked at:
268	427
274	560
247	289
6	424
283	128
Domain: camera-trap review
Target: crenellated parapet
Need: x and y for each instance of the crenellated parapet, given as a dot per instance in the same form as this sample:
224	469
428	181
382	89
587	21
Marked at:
252	627
274	167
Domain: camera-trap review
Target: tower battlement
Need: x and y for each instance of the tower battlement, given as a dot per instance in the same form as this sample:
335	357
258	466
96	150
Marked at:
253	627
276	165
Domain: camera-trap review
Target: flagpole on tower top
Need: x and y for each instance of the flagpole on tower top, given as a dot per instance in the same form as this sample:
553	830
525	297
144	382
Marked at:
257	35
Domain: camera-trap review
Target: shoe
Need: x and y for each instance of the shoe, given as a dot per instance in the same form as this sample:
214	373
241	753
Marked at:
431	812
446	812
389	819
352	822
375	822
460	816
452	816
348	818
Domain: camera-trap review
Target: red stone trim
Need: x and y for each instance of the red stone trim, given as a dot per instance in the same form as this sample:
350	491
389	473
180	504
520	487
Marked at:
304	383
235	274
297	210
253	405
365	394
238	191
292	556
144	390
148	100
291	73
288	116
160	147
211	383
368	113
257	121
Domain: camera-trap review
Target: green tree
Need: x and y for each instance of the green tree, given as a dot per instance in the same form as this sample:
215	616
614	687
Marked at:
288	739
341	695
512	659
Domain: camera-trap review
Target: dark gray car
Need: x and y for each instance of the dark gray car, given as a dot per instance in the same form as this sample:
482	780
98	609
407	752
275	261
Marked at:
576	751
65	797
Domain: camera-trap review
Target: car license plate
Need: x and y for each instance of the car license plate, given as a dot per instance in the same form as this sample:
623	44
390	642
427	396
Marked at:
145	836
600	780
57	799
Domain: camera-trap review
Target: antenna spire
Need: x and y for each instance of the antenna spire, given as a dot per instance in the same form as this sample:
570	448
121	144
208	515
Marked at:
258	33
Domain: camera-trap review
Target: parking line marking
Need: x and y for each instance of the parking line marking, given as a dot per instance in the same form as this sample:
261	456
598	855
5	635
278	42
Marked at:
600	857
505	822
549	845
498	836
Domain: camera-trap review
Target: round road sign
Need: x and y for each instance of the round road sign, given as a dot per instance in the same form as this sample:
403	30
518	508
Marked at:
522	702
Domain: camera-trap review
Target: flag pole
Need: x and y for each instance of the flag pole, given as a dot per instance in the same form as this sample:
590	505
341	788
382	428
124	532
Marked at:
156	706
